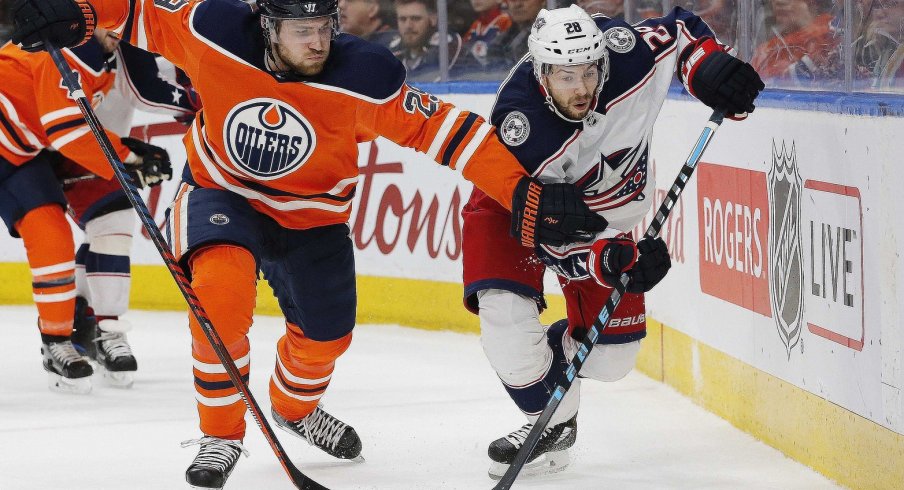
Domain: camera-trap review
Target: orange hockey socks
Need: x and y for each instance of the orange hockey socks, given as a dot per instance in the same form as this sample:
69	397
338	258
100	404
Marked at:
224	278
51	256
303	371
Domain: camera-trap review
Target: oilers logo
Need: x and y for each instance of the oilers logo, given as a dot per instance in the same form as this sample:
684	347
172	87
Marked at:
267	138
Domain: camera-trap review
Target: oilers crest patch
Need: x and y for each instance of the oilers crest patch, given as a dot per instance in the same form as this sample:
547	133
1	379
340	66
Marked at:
620	39
267	138
514	129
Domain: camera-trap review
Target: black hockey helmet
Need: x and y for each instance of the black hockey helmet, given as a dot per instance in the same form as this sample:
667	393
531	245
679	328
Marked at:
298	9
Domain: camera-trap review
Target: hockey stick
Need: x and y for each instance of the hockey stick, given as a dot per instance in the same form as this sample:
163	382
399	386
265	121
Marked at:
80	178
602	319
75	90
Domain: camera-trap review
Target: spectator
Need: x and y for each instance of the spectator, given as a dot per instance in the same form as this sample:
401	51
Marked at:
367	19
878	52
417	44
491	23
614	9
509	47
461	15
6	25
720	15
802	47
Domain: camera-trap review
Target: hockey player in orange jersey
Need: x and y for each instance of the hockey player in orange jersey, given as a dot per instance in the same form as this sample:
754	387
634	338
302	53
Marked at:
272	170
39	126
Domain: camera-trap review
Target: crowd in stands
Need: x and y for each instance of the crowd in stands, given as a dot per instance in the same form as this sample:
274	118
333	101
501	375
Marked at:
795	44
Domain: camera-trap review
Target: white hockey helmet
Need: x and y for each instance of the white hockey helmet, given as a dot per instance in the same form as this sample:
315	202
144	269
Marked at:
566	36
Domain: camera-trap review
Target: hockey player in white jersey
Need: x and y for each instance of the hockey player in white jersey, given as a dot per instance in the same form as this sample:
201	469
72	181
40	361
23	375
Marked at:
101	208
580	108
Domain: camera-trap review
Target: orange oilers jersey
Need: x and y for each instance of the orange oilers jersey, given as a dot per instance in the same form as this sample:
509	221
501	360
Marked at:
36	111
290	147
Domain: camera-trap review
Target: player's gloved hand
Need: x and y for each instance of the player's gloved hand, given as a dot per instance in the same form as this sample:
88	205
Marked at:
65	23
646	264
553	214
718	79
609	258
150	166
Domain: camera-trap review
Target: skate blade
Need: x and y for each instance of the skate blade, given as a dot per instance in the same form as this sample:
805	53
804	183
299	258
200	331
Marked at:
60	384
356	459
122	380
547	464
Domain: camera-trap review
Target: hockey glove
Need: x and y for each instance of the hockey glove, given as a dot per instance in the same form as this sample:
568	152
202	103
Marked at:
151	165
652	265
552	214
65	23
609	258
718	79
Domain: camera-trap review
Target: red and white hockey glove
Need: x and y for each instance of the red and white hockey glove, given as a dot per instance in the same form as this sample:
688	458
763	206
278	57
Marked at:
646	263
609	258
718	79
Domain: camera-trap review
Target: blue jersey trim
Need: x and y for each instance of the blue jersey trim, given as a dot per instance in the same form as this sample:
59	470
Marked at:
859	104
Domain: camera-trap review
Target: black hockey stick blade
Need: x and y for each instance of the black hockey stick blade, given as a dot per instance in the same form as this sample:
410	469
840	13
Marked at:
70	80
612	302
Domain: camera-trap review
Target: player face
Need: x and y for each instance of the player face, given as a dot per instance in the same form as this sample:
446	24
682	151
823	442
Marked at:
107	39
416	24
572	88
304	44
524	11
790	15
483	5
888	18
355	16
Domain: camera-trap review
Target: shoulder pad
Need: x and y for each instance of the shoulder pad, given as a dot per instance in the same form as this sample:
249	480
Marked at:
233	26
362	67
524	123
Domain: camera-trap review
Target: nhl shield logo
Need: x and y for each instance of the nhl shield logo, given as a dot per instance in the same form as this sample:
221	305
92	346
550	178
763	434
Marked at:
786	281
267	138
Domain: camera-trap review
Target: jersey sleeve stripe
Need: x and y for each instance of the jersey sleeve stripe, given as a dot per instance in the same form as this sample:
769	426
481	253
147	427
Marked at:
443	132
69	137
463	130
472	146
66	125
20	147
59	114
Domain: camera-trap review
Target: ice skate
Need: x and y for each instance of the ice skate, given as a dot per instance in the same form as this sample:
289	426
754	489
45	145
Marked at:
114	354
550	456
326	432
214	463
67	371
84	329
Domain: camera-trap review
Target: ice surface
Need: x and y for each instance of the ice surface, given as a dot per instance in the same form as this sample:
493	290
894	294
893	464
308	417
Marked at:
426	405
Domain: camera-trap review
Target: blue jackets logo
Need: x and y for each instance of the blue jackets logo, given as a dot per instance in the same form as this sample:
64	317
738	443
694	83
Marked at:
267	138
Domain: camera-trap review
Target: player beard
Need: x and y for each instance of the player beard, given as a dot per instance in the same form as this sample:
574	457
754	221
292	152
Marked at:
577	107
302	64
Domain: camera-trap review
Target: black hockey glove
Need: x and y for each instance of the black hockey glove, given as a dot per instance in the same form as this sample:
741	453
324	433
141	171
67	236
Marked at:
65	23
152	165
609	258
552	214
652	265
718	79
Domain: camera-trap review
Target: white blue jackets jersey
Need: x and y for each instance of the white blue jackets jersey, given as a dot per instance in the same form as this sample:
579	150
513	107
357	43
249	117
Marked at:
607	154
